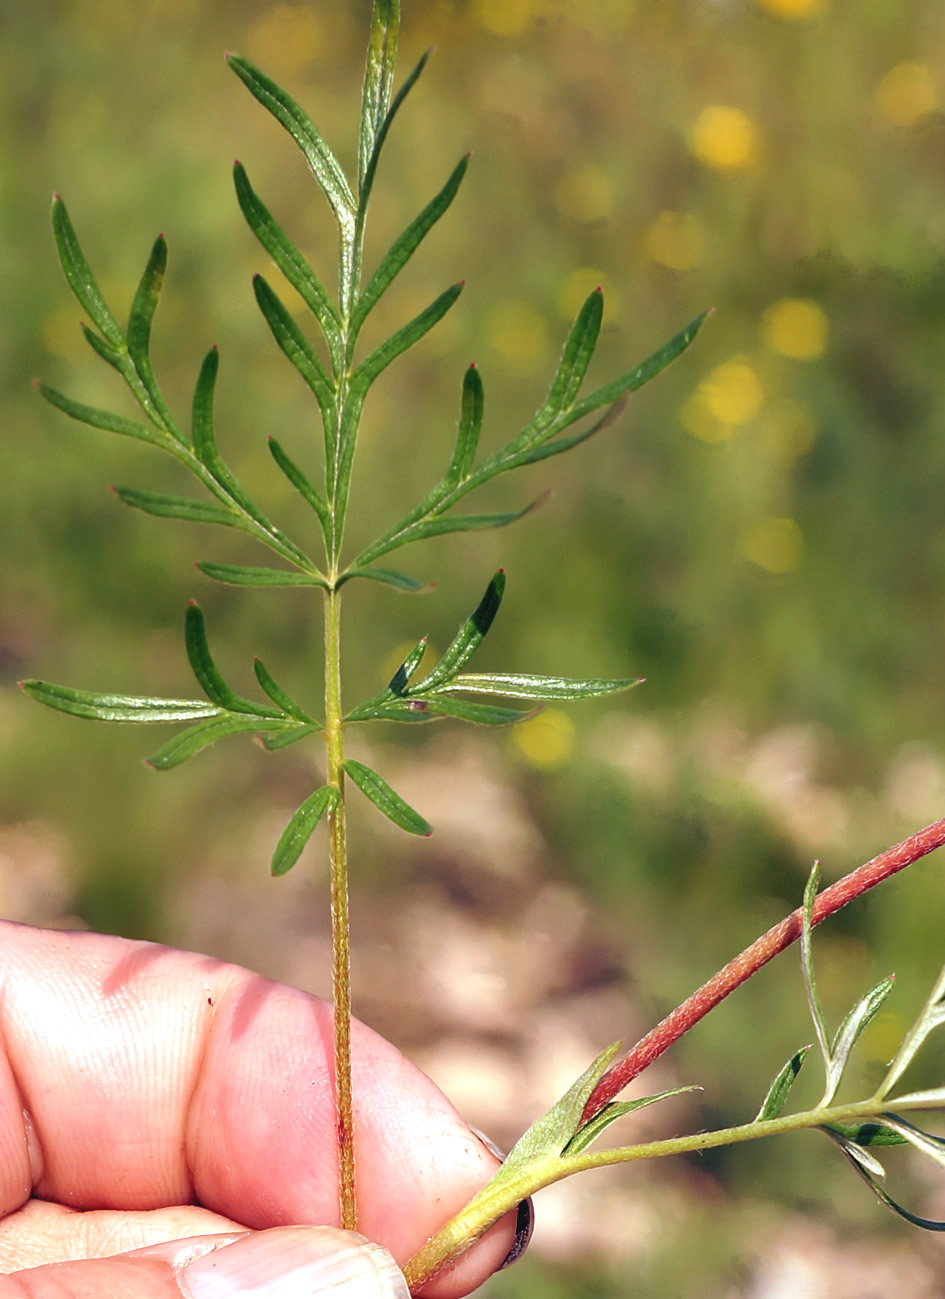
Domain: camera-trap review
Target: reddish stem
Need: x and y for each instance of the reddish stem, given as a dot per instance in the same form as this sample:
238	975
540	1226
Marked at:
782	935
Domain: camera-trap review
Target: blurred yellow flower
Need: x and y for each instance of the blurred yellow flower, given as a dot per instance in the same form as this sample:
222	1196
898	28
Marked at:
724	138
579	284
505	17
907	93
774	545
792	8
676	240
518	331
796	327
733	393
585	194
285	39
545	742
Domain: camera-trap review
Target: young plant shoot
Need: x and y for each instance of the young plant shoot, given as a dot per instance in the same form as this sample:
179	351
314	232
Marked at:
559	1143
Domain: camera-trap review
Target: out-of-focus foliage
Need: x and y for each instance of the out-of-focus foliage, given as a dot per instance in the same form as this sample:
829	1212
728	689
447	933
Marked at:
762	536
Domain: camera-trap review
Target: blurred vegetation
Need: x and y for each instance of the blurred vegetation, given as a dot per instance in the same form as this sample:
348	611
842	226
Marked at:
762	536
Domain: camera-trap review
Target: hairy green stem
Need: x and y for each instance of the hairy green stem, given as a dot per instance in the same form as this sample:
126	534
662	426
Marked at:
504	1193
338	884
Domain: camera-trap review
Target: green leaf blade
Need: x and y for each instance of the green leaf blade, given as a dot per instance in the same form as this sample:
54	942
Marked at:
281	698
301	483
295	347
101	707
522	685
592	1129
385	799
177	507
400	679
79	275
467	639
301	827
207	673
399	581
302	129
140	319
251	575
378	79
468	430
197	738
777	1094
102	419
404	338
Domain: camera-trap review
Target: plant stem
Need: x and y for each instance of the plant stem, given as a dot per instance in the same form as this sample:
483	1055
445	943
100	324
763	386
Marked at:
338	885
750	961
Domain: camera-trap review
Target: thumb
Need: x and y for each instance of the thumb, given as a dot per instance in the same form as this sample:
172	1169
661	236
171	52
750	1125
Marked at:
281	1263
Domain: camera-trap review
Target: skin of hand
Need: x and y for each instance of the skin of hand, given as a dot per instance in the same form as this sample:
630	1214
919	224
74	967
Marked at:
167	1129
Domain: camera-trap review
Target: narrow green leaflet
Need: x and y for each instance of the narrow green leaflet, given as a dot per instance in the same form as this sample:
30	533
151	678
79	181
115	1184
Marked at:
289	734
807	966
250	575
931	1017
866	1134
384	798
207	673
296	348
521	685
116	708
293	265
177	507
849	1033
301	483
197	738
403	248
299	830
592	1129
378	78
116	357
400	581
405	337
927	1224
557	446
139	335
549	1135
438	525
467	640
480	714
469	428
80	277
299	125
575	358
400	679
774	1101
102	418
281	698
367	184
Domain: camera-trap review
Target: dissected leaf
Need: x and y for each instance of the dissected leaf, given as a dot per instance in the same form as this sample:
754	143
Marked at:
197	738
299	830
249	575
467	639
774	1101
80	277
177	507
592	1129
575	358
384	798
207	673
522	685
116	708
299	125
290	733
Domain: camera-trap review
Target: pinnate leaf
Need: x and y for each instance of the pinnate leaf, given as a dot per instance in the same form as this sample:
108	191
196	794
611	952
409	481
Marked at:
250	575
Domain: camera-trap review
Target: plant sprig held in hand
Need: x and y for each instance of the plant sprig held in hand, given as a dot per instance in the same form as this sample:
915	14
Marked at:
557	1144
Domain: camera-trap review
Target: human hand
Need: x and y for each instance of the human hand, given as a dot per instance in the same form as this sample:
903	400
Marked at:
166	1119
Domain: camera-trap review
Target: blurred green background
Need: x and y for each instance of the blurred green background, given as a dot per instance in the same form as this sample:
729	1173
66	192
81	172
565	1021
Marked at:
762	536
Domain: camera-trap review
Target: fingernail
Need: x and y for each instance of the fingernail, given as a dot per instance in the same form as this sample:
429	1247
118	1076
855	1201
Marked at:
524	1223
294	1263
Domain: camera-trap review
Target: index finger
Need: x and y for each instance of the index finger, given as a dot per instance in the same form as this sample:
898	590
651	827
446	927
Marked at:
134	1077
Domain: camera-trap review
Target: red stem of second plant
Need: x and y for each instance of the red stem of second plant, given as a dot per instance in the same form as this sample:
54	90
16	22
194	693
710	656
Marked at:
782	935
